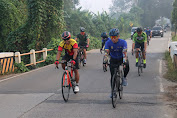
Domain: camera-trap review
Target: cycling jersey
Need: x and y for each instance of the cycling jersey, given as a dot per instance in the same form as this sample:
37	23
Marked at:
140	39
82	39
68	47
116	49
148	32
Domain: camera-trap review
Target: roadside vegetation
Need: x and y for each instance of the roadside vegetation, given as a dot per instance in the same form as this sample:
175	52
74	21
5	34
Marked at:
171	73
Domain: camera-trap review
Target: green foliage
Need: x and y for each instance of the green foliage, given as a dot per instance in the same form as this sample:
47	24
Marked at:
20	67
45	20
50	59
10	19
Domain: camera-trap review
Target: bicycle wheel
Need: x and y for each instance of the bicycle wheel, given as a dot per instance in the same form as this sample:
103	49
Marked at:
139	66
120	86
65	87
114	91
105	63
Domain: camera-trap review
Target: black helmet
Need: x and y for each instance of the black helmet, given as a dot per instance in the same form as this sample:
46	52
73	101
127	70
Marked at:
104	35
139	29
114	32
66	35
82	29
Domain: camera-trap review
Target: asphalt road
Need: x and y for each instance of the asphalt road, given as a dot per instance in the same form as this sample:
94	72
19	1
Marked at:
37	94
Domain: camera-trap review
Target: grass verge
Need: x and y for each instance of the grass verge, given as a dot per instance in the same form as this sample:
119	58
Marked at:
171	73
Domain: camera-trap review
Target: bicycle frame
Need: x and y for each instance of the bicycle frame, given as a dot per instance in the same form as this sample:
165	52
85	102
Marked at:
69	74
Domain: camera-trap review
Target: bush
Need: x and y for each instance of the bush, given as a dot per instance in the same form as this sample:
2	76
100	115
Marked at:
20	67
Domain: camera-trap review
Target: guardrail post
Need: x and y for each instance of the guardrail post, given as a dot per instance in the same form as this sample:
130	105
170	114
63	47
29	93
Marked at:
18	58
33	57
44	53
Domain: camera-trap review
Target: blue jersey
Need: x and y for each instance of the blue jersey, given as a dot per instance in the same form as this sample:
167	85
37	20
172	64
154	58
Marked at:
148	32
116	49
105	39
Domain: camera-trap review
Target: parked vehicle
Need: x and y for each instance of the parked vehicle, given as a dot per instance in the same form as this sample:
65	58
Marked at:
132	31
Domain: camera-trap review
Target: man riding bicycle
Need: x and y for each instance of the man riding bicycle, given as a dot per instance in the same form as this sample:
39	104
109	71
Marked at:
117	49
148	33
140	42
83	41
71	49
104	39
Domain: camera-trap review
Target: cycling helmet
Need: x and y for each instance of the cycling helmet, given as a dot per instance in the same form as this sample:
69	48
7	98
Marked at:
66	35
104	35
139	29
82	29
114	32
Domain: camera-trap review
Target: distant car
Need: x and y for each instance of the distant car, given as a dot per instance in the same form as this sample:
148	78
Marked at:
157	31
132	31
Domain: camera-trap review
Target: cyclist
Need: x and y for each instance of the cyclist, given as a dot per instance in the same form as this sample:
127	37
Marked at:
71	49
104	39
83	41
148	33
140	42
117	49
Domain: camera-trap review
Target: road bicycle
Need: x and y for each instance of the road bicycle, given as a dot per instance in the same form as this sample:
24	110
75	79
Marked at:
140	62
116	85
105	61
68	81
81	56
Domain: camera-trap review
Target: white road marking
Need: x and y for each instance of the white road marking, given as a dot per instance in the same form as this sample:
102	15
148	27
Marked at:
160	67
159	78
25	73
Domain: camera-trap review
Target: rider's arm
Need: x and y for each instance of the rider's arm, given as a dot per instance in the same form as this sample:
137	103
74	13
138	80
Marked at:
59	52
75	50
133	42
125	51
75	53
88	41
145	42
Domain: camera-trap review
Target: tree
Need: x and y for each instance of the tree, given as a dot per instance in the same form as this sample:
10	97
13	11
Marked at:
174	15
45	20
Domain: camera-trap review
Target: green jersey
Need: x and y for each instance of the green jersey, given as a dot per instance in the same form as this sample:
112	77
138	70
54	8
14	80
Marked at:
82	38
140	39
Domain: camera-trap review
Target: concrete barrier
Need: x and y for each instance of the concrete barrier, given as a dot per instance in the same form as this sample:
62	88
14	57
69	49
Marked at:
6	62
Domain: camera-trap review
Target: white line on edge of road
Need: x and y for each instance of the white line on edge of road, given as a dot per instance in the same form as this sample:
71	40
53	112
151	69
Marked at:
159	78
23	73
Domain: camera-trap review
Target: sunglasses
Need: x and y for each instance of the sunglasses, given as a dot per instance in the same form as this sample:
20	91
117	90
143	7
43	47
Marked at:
113	37
139	32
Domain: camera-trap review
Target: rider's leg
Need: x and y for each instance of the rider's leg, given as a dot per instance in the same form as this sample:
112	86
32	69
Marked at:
76	75
85	54
127	68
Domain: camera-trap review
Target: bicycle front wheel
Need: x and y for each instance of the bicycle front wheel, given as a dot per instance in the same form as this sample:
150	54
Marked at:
65	86
120	86
114	91
139	66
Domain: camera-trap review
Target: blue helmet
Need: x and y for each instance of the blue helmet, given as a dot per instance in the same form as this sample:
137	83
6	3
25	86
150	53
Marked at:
104	35
114	32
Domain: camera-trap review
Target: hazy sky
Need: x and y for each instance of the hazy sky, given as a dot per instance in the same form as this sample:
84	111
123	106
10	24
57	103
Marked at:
96	5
